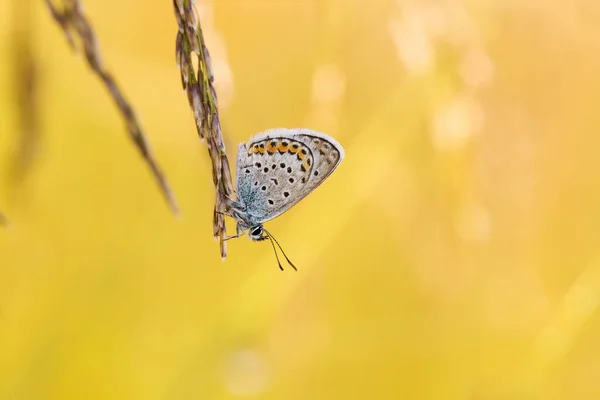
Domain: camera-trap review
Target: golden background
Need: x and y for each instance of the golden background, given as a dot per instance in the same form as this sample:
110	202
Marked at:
453	254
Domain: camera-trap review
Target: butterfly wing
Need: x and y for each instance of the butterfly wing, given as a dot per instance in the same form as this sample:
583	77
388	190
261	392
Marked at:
279	167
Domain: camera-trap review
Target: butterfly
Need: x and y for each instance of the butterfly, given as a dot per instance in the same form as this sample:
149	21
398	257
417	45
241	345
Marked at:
274	171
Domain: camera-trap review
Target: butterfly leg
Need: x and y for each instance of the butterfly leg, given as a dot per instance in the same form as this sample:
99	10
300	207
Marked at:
263	236
226	238
238	232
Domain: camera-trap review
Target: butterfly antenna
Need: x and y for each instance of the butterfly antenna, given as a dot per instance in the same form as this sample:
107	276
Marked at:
283	252
275	251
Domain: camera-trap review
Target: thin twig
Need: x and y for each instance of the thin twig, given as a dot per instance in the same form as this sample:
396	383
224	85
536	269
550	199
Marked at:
202	98
73	21
26	80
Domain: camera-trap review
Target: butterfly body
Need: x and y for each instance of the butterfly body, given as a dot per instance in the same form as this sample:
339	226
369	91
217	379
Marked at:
275	170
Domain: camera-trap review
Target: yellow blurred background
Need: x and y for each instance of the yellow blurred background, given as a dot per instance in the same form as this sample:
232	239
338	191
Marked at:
453	255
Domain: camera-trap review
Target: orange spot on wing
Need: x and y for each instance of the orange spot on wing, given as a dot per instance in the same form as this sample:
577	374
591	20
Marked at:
271	148
253	149
281	148
294	149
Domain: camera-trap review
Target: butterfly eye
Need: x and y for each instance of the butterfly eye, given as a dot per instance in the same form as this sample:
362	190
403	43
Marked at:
256	231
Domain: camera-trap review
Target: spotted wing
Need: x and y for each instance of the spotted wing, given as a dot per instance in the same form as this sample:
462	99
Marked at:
280	167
